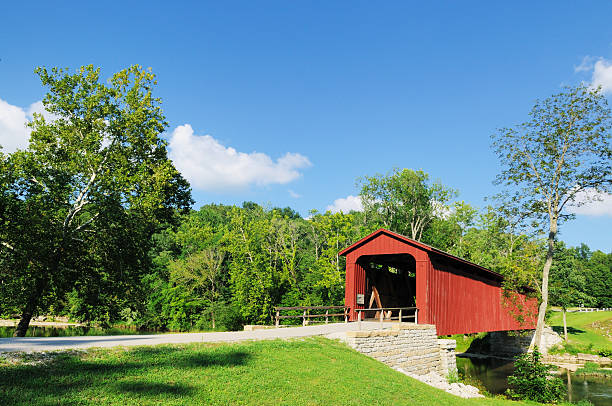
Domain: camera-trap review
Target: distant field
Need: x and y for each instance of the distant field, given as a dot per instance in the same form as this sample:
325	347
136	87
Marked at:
313	371
585	329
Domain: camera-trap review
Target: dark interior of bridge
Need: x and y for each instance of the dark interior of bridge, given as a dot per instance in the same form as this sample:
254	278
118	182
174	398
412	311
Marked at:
390	281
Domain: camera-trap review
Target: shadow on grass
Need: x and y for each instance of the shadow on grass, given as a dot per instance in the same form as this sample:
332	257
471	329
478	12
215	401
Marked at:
67	376
570	330
153	388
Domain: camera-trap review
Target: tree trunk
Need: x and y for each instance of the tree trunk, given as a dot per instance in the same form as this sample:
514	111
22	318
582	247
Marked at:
564	325
24	322
26	316
537	341
30	308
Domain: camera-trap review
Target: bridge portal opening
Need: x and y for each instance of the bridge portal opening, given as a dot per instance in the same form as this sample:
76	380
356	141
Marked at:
390	282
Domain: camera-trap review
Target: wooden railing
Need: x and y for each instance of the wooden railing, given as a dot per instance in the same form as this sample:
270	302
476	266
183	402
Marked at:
386	313
306	316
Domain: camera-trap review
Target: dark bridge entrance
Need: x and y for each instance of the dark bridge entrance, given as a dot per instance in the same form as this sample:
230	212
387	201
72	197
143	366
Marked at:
390	281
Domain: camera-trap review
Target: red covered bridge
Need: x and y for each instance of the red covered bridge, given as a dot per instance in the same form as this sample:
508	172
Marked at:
389	270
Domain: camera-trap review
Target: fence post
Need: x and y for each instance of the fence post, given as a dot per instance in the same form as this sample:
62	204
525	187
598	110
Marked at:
400	316
326	315
277	317
382	314
346	314
359	318
416	314
304	318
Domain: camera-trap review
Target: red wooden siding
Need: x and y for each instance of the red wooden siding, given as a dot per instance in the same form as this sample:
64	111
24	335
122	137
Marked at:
457	296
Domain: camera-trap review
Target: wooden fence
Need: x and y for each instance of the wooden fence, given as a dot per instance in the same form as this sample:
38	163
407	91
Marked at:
306	316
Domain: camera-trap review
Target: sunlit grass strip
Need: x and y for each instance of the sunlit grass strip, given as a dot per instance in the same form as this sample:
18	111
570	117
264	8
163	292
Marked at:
313	371
583	337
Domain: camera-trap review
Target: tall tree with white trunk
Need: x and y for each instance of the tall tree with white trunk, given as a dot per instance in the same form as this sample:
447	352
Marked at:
557	159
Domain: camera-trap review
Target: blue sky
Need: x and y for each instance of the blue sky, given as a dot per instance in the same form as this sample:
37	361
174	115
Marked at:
288	103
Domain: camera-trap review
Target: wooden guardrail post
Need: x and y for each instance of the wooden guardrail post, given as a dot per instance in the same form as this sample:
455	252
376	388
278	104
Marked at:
416	314
326	316
359	318
304	318
277	318
399	317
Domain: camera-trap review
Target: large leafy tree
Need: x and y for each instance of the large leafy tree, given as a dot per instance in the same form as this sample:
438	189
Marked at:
599	278
561	151
81	202
404	201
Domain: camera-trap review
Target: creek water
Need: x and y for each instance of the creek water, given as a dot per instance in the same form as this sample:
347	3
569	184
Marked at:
492	373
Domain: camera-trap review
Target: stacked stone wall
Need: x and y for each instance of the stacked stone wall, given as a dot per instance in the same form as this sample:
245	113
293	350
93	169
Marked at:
413	348
447	355
505	344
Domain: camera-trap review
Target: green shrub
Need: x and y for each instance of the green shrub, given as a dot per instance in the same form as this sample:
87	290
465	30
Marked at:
531	380
605	352
230	318
453	377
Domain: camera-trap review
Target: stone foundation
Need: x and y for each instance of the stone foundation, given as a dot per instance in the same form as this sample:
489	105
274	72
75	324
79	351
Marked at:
508	345
414	348
448	360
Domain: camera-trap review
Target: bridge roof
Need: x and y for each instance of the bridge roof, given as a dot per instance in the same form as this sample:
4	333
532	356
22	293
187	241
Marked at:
417	244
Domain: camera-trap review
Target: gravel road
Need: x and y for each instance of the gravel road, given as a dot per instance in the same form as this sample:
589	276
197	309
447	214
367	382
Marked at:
36	344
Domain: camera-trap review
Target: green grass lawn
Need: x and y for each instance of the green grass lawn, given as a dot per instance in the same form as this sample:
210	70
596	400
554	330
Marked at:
313	371
587	332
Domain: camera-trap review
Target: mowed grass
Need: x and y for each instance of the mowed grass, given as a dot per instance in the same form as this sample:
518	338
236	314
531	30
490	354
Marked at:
585	329
313	371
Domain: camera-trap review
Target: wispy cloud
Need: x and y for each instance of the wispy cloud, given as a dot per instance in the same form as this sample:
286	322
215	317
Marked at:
586	65
209	165
592	203
346	204
294	194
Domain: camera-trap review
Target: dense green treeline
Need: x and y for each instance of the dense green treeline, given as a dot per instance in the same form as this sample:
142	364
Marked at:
225	266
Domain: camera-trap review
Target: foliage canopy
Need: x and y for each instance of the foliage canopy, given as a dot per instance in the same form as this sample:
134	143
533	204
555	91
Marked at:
81	202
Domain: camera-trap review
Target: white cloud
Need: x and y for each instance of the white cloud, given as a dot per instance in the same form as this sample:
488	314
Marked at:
601	72
346	204
209	165
592	203
293	194
602	75
441	210
13	131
